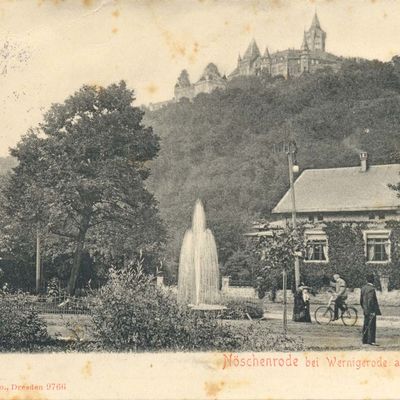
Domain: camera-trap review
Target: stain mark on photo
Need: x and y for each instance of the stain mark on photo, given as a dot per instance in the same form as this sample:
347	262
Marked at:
87	369
151	88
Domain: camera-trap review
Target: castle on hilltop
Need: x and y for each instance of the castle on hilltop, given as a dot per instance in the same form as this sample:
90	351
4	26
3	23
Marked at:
288	63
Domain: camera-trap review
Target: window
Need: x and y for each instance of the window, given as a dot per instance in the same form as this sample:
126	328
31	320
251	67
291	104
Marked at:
311	218
320	217
316	247
377	246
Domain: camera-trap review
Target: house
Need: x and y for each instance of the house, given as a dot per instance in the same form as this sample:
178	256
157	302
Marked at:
348	210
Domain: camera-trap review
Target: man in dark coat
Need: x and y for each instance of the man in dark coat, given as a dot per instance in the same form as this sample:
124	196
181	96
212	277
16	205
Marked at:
370	306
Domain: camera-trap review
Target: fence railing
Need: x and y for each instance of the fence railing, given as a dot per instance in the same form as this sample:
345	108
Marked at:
62	304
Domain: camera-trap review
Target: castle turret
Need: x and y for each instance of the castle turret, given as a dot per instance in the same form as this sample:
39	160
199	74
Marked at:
304	46
264	63
210	72
305	55
183	87
316	37
210	80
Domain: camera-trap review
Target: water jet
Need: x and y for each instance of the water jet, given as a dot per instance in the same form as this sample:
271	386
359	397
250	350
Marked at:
198	276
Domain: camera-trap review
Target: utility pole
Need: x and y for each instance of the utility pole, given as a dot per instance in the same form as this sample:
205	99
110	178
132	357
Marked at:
290	149
293	168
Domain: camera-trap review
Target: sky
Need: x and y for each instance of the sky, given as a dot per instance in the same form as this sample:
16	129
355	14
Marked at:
50	48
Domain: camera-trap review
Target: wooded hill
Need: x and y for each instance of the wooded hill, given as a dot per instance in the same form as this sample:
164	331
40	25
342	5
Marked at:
220	147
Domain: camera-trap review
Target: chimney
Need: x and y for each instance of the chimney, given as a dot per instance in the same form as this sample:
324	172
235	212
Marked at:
364	161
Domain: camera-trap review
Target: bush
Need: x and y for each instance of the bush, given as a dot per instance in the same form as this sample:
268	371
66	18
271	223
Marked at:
242	308
20	324
258	337
132	314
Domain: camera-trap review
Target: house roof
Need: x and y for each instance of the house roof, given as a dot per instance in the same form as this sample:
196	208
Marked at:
343	189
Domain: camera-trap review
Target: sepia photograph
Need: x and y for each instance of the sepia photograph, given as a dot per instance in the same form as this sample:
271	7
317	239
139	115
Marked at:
199	199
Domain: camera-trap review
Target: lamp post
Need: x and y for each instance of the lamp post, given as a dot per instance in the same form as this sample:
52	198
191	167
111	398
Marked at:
293	168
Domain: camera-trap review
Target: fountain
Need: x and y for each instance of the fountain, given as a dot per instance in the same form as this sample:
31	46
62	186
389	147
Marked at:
198	278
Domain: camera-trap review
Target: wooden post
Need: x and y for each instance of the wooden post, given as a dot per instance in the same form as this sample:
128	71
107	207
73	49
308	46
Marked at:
38	262
284	286
294	220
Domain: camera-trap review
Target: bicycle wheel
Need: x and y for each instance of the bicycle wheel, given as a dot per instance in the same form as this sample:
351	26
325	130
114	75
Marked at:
349	316
323	315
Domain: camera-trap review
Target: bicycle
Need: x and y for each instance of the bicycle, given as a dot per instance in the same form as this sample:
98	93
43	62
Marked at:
324	314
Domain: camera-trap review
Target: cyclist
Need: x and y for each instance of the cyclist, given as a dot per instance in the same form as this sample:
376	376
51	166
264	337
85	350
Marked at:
341	295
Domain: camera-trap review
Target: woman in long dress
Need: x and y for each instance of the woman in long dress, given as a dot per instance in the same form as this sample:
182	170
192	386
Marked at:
306	299
301	308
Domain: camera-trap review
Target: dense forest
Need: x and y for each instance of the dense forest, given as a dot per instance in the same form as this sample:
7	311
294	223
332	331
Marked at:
223	147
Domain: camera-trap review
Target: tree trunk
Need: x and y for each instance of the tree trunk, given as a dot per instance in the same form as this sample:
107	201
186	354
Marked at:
38	262
78	253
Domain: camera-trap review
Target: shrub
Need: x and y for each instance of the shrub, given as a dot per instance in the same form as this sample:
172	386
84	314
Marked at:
259	337
242	308
20	324
132	313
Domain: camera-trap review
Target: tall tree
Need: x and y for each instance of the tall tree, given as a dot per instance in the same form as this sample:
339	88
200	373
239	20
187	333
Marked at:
87	164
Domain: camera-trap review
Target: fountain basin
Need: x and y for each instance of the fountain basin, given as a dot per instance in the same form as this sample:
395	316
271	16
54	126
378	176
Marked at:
207	307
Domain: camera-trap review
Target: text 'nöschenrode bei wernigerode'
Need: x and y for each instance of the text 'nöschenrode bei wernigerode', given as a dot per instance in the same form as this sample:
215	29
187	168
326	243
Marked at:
234	360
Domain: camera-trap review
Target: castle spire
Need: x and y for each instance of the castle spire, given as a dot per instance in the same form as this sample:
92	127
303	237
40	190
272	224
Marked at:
315	22
316	37
252	51
239	58
266	54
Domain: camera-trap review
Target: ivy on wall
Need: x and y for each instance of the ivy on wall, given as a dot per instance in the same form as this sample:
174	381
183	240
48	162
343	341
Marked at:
346	254
393	268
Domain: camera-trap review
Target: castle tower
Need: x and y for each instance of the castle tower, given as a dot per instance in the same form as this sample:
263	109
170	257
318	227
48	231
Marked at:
252	52
246	63
266	61
210	80
183	87
315	36
305	55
